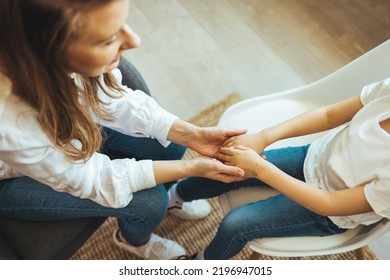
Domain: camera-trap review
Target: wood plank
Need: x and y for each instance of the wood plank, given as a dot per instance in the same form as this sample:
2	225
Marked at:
196	52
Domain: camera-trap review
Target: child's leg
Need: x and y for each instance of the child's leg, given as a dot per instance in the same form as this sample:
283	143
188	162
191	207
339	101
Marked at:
277	216
290	160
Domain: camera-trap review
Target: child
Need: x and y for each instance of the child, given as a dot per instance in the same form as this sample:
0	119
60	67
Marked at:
338	182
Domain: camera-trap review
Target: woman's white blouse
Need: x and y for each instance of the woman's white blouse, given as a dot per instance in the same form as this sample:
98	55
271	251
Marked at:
26	151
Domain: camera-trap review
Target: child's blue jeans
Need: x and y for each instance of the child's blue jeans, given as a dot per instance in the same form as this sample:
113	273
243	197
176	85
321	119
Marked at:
277	216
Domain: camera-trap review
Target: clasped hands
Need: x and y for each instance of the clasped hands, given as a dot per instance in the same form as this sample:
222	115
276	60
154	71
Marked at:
236	152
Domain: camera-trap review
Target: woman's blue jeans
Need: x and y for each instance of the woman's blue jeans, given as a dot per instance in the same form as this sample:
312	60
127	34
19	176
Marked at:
25	198
277	216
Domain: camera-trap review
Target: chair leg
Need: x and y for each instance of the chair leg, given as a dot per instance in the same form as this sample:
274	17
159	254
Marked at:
361	253
255	256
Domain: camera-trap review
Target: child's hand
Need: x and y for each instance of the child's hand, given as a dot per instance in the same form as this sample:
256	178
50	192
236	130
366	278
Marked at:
245	158
253	141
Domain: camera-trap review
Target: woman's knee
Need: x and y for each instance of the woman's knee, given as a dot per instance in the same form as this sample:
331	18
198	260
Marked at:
147	206
159	201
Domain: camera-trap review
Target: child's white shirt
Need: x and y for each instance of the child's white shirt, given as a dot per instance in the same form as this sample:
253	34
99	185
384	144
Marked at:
357	153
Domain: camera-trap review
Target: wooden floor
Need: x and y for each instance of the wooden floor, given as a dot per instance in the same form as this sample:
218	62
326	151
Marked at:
196	52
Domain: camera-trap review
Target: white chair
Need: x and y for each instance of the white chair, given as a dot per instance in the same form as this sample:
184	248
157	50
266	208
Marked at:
263	111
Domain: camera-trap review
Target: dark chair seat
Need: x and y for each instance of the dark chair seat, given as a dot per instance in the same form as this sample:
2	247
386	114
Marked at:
44	240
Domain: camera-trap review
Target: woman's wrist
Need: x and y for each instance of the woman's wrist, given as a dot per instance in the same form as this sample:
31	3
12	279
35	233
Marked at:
195	167
199	167
172	170
183	132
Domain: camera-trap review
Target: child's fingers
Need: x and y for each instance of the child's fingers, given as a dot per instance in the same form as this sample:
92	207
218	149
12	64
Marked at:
242	148
224	158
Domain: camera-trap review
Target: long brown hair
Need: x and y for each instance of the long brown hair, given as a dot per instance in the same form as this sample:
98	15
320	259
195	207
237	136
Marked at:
34	35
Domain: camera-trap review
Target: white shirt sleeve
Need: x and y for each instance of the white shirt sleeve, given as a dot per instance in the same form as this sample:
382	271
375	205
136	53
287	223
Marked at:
137	114
378	196
26	150
375	91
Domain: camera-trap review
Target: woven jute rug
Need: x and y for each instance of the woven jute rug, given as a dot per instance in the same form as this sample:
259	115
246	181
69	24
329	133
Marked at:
193	235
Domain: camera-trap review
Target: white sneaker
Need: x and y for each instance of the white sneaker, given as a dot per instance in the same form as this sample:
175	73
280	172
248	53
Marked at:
157	248
192	210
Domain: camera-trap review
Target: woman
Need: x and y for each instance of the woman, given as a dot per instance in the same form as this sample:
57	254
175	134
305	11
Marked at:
76	143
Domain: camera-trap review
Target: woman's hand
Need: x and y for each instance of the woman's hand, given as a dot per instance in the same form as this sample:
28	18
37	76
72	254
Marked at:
209	140
171	170
204	140
216	170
